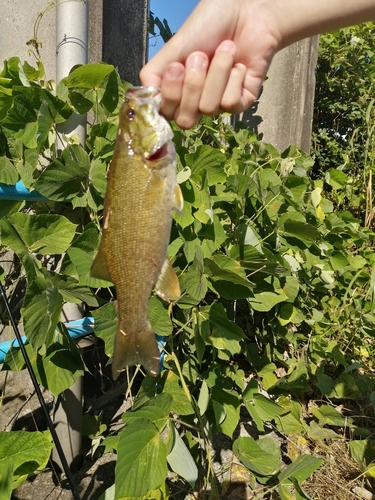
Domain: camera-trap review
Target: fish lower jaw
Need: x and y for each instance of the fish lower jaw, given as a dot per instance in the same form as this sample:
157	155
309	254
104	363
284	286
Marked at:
159	154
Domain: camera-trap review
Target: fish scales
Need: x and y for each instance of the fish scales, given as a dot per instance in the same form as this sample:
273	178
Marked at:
141	193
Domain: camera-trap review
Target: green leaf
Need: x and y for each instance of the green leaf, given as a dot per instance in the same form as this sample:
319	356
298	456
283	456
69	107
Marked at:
6	477
336	178
227	410
172	385
363	452
261	408
301	230
66	177
40	328
300	469
225	334
11	238
141	464
181	461
204	398
159	317
88	76
8	174
58	369
228	278
82	253
328	415
211	160
45	122
45	234
255	458
156	410
265	301
21	122
29	451
105	325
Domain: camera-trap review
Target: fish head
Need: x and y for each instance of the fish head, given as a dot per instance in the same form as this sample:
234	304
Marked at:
147	133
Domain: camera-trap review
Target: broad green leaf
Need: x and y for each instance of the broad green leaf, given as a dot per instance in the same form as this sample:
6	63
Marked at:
45	234
88	76
70	289
21	121
82	253
261	408
225	334
204	398
159	317
11	238
40	328
303	231
363	452
156	410
230	402
45	122
255	458
172	385
336	178
318	433
6	479
300	469
181	461
159	494
230	284
265	301
210	159
65	177
105	325
8	174
328	415
58	369
29	451
141	464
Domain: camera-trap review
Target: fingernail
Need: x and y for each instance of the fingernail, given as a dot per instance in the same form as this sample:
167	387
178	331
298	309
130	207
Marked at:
175	72
227	46
197	61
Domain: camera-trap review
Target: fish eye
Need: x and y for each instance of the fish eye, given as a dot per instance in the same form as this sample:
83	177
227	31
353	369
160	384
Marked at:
130	114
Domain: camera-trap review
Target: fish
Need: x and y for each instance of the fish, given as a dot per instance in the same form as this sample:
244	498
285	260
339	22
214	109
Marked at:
142	192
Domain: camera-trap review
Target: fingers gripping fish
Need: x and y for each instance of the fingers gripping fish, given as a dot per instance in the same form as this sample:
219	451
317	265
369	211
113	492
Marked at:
141	193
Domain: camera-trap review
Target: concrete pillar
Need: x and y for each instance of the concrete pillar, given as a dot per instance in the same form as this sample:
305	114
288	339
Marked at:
19	27
284	113
95	31
125	36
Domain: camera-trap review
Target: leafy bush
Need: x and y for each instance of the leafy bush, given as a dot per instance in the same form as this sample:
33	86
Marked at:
277	302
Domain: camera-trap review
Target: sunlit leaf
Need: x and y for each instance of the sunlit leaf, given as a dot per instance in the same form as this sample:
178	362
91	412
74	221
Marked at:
141	464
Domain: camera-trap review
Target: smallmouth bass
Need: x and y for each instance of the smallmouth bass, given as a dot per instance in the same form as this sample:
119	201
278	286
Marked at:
141	193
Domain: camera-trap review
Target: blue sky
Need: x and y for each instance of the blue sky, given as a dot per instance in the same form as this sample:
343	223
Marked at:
175	12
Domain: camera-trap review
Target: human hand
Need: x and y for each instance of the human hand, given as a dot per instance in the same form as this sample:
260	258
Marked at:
216	62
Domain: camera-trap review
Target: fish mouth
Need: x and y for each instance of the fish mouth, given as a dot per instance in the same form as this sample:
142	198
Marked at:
160	153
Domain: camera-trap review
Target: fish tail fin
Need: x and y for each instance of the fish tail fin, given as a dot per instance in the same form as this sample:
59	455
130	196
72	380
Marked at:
140	348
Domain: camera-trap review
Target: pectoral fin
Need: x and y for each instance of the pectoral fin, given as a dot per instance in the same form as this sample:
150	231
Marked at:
178	199
99	268
167	286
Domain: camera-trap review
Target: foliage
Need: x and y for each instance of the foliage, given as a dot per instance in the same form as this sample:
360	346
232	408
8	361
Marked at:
277	301
343	136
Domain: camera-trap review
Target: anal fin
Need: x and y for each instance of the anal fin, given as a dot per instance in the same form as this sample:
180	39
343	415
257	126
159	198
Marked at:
167	286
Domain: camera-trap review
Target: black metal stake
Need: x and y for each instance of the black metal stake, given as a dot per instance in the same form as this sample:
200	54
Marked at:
51	427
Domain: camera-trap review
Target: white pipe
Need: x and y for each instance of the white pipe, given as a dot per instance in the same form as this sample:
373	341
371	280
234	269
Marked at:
71	49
